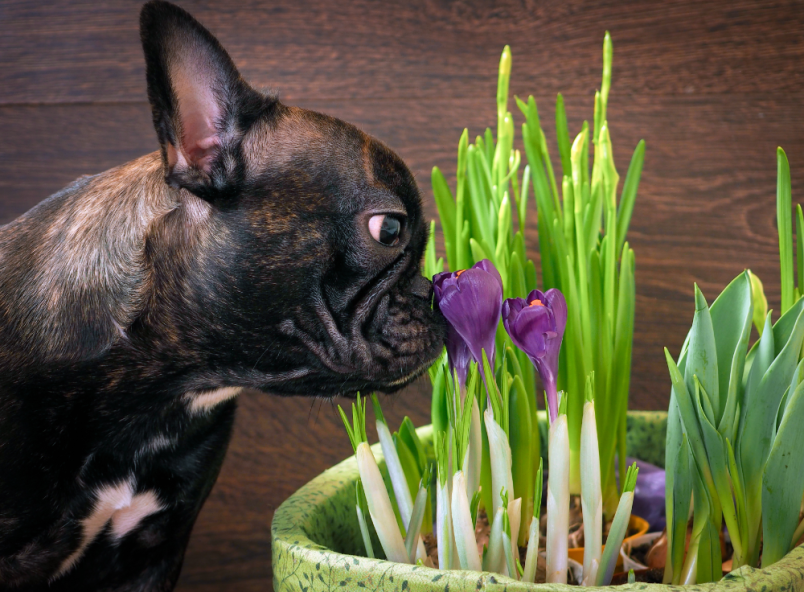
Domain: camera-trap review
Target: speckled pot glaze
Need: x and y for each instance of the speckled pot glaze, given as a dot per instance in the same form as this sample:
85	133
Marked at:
315	535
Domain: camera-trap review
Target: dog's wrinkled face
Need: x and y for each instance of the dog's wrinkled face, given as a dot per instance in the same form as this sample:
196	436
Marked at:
344	214
318	285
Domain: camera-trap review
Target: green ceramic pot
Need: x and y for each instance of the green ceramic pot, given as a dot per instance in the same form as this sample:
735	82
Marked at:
317	544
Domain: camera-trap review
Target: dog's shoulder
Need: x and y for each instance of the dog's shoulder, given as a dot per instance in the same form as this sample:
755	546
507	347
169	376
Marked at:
72	267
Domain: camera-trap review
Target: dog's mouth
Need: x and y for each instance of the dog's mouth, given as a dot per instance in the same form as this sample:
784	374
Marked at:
388	338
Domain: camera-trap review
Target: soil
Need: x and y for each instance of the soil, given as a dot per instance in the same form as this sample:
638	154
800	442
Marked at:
482	530
650	576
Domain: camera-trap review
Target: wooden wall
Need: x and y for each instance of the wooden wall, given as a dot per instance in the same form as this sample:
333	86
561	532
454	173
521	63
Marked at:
713	88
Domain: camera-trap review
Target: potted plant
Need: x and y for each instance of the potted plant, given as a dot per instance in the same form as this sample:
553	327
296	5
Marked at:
475	478
317	544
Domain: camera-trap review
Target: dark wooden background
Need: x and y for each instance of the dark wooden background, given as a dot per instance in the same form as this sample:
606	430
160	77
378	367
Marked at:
713	88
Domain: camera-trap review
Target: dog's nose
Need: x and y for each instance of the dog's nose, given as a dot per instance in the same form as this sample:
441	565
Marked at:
421	287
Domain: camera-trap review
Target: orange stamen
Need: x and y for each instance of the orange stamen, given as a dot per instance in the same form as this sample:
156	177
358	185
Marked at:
459	272
536	302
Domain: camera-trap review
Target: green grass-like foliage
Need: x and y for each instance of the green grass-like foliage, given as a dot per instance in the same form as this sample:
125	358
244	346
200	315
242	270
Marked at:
582	225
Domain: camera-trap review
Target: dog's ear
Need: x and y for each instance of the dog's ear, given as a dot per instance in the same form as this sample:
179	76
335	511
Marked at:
201	106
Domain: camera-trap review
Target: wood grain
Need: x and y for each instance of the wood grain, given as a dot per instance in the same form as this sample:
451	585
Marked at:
67	51
713	88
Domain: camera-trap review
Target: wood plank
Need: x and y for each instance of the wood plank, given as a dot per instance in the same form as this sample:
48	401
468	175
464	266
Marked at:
68	51
705	209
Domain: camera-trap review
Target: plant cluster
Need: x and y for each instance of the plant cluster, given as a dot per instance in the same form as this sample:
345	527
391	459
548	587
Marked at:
734	437
472	302
583	252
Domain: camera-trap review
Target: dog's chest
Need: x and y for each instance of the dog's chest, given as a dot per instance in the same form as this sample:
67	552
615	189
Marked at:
136	490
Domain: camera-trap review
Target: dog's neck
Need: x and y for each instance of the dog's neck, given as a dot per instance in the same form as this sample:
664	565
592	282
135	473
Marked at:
91	273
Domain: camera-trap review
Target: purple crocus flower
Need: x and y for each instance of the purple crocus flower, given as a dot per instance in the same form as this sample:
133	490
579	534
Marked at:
536	325
470	300
458	355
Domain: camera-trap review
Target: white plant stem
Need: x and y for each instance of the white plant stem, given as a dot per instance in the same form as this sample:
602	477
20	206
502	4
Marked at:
591	496
514	518
510	566
444	536
403	498
614	542
413	534
474	453
463	528
532	556
364	532
494	559
689	572
590	577
558	502
500	454
400	484
379	505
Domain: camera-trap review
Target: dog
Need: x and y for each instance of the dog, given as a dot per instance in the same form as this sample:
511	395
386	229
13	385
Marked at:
263	246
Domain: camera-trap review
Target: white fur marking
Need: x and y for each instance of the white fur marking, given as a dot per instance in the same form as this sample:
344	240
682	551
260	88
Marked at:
154	445
126	519
160	442
203	401
122	506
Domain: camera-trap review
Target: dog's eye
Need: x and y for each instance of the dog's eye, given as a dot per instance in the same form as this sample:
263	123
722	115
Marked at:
385	229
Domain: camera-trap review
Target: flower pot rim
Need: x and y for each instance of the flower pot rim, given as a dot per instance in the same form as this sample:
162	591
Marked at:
300	563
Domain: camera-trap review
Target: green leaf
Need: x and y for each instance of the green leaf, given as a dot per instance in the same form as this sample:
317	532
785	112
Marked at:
362	511
478	252
702	358
479	196
430	264
474	504
410	466
784	326
563	137
754	437
608	55
783	482
785	227
503	81
414	526
628	195
681	487
462	251
731	315
717	456
689	419
764	353
800	247
522	204
760	302
516	278
407	431
438	413
709	568
446	211
460	199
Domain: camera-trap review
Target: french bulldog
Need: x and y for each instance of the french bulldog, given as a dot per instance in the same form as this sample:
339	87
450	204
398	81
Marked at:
263	246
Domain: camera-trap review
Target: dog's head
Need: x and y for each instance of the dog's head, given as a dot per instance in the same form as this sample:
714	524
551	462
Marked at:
312	284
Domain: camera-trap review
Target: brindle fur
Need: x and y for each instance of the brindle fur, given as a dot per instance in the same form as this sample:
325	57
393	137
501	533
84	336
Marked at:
129	293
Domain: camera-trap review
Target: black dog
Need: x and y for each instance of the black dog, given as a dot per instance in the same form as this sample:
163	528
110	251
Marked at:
264	246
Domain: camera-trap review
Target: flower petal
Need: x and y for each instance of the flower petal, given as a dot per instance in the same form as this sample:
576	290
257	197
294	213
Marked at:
556	302
472	306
